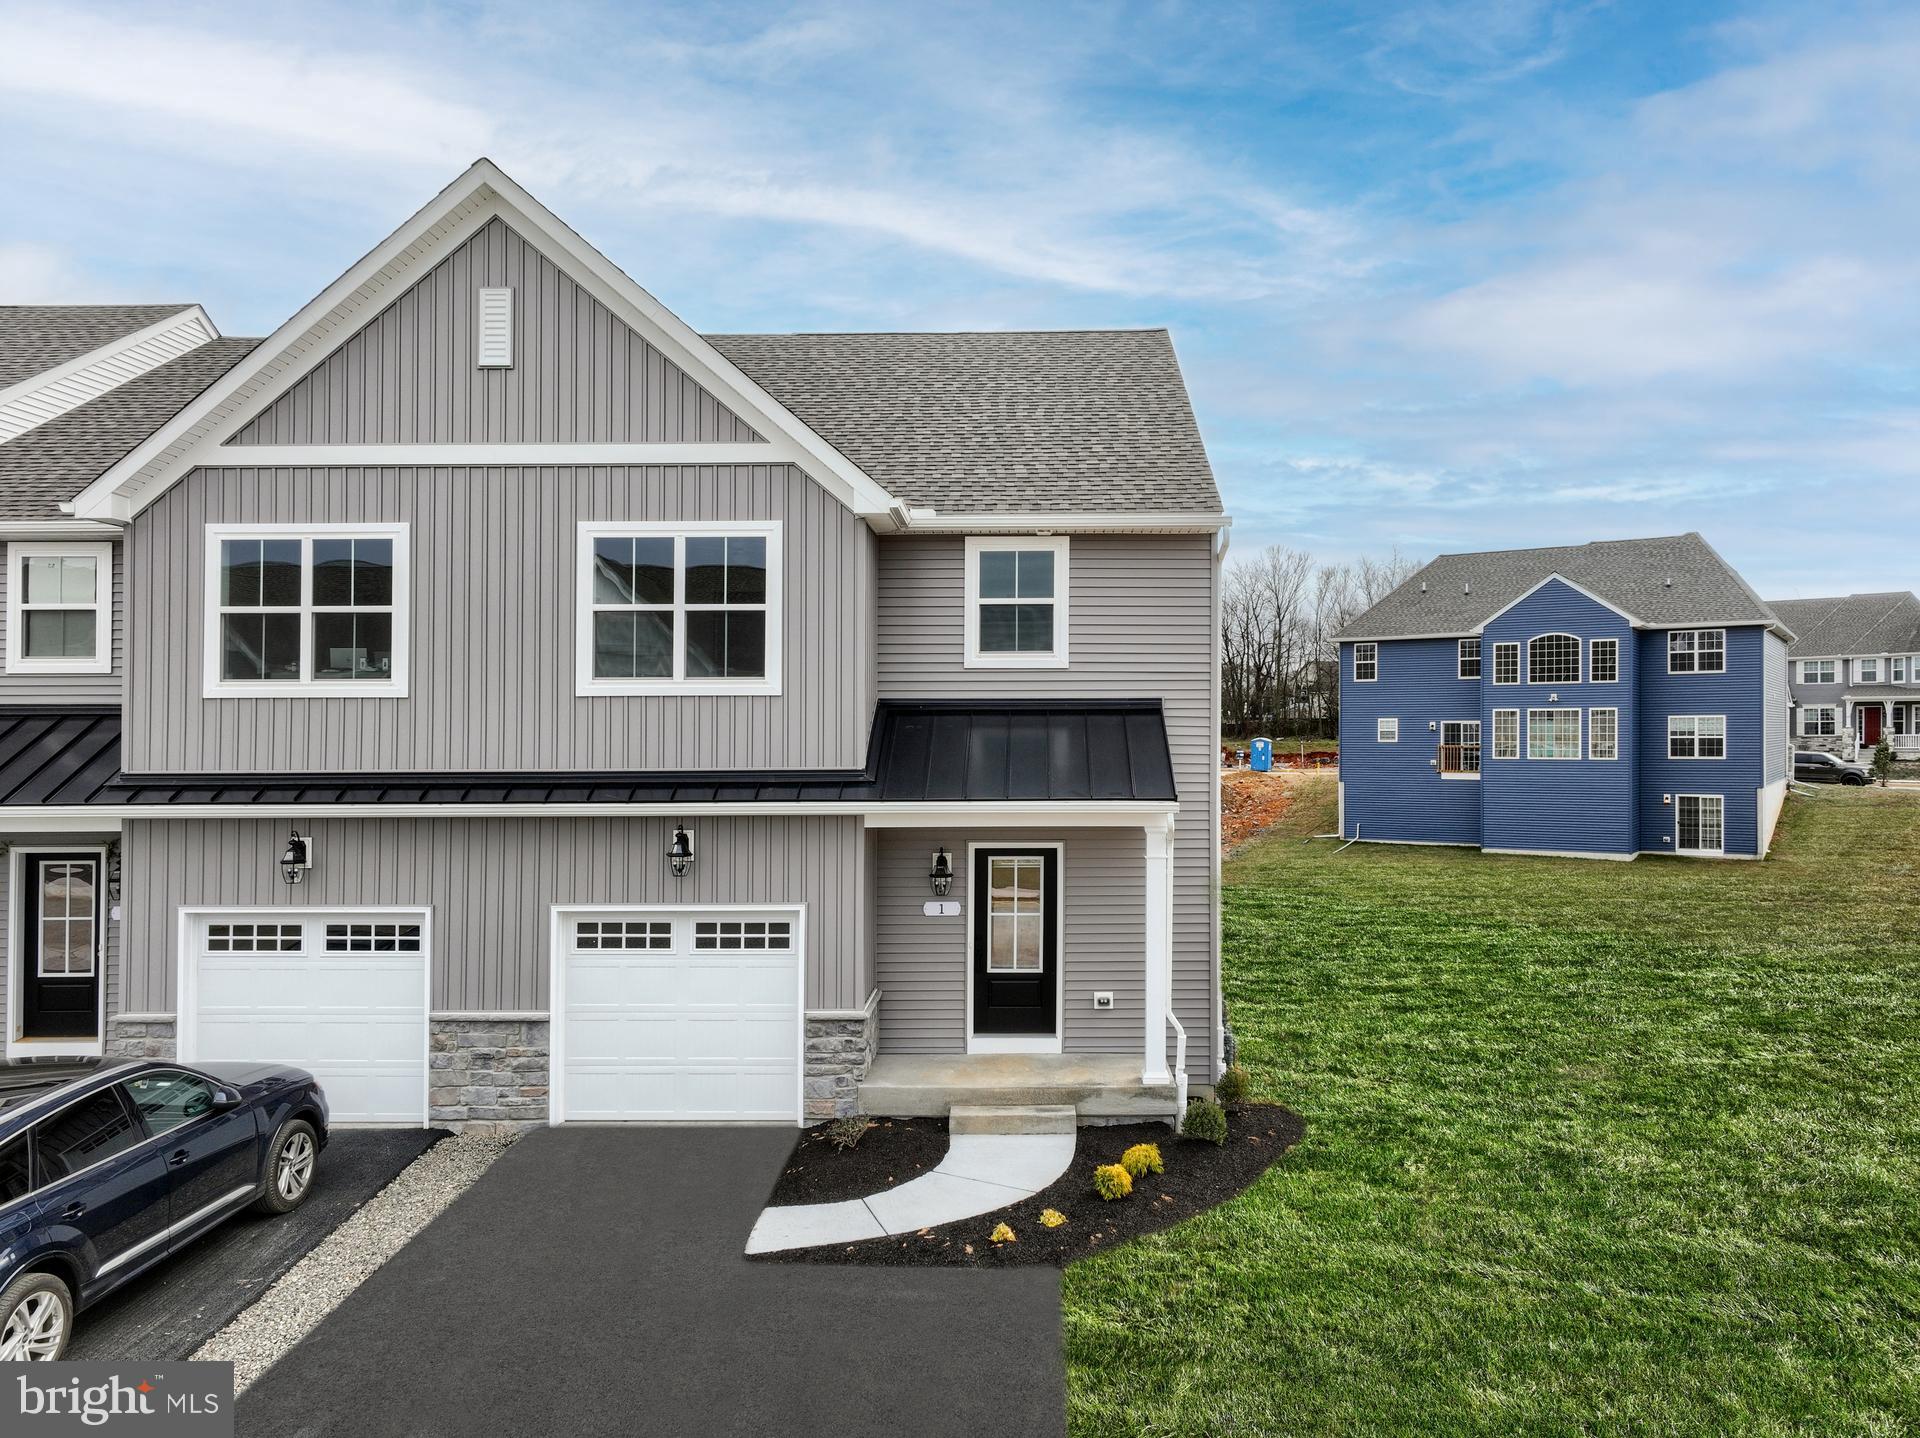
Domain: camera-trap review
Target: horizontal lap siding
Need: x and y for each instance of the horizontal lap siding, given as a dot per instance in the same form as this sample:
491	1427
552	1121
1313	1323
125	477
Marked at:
1393	791
69	688
491	653
490	884
1740	694
1141	617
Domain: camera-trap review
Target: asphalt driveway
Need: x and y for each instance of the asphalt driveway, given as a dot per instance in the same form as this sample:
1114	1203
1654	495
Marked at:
592	1282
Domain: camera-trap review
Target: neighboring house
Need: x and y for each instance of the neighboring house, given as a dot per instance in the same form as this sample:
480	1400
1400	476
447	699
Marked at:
1855	672
511	704
1603	700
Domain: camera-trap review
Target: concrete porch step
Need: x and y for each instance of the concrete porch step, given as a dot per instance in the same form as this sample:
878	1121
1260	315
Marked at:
1094	1086
966	1118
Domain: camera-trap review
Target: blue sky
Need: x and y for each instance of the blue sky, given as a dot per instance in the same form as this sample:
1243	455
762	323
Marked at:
1442	276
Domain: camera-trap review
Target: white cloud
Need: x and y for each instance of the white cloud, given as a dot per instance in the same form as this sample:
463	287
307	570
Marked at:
38	275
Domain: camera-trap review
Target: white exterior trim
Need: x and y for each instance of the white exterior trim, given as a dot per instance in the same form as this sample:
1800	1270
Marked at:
1603	639
1039	522
543	455
1027	813
1374	645
33	401
1726	739
1726	656
1560	854
1158	992
17	660
1519	659
972	657
1024	1043
16	1045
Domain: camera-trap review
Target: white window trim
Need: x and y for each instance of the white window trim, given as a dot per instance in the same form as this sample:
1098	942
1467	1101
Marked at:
1832	711
1725	659
1579	659
1518	658
585	685
394	686
1056	658
1460	658
1494	746
1725	739
1860	669
1721	851
1591	670
18	660
1383	734
1813	678
1604	758
1358	645
1579	739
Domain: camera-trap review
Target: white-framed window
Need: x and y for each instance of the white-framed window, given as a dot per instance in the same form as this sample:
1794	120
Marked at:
1869	670
1816	671
590	934
1696	736
1603	661
1696	651
372	936
1553	659
1603	733
1387	731
1469	658
59	608
1897	669
1553	733
306	609
1700	823
1366	663
1817	720
1460	746
671	608
773	934
253	938
1506	663
1506	733
1016	602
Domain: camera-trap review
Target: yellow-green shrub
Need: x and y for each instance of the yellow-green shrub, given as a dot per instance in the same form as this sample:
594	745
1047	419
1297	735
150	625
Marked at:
1111	1181
1143	1159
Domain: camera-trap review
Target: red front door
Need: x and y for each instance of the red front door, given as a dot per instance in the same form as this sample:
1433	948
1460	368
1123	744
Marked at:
1870	725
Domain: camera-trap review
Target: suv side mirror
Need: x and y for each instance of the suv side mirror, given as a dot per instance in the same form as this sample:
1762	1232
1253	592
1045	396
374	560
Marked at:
224	1099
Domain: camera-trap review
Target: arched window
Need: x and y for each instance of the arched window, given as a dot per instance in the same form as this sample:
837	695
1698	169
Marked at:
1553	659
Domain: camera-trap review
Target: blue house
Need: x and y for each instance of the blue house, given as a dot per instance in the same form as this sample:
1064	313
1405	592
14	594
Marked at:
1601	700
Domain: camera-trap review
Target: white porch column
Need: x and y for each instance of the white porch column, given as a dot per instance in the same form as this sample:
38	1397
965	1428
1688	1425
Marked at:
1159	949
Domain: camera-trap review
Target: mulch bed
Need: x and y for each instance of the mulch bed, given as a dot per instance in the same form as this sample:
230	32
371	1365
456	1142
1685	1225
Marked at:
1199	1176
894	1150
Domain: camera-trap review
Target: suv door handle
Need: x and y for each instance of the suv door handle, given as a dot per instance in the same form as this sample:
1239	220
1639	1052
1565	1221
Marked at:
73	1210
177	1157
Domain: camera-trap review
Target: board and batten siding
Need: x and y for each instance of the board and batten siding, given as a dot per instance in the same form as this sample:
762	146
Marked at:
70	688
580	375
491	884
1140	627
491	634
920	964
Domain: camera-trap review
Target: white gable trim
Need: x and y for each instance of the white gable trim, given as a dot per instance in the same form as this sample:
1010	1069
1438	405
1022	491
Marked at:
478	196
1576	588
51	393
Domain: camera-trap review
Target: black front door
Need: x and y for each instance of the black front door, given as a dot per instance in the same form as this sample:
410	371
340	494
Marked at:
60	946
1016	950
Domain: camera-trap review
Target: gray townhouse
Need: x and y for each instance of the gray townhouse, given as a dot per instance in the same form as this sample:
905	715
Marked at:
1854	672
512	705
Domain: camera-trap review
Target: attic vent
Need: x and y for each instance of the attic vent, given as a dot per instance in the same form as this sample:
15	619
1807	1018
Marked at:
1467	588
1669	581
496	329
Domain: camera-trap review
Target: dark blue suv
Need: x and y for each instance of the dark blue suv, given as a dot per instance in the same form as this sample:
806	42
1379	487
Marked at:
103	1177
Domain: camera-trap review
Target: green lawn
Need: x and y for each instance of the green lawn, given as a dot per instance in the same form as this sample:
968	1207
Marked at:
1591	1148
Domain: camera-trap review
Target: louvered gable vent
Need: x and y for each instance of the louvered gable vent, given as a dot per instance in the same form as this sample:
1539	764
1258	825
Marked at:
496	329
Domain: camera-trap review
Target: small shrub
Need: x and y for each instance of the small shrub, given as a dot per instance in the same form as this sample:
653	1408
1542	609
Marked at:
1052	1217
1231	1088
1883	761
1143	1159
1205	1120
846	1132
1003	1234
1111	1181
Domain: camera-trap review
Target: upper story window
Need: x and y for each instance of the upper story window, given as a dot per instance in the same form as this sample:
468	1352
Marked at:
1506	664
1897	669
1603	733
1469	658
1553	733
1366	663
1696	736
1506	733
1869	670
1816	671
1016	603
670	608
306	609
59	608
1553	659
1696	651
1603	661
1387	731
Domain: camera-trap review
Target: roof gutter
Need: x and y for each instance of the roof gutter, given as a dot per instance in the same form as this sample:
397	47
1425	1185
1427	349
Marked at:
933	521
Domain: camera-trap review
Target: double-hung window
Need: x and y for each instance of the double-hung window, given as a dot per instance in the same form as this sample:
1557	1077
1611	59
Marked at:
1553	659
1816	671
59	614
1469	658
1553	733
1869	670
1897	669
1603	733
1387	731
668	608
1366	663
1696	651
306	609
1016	603
1696	736
1506	663
1820	720
1506	733
1603	661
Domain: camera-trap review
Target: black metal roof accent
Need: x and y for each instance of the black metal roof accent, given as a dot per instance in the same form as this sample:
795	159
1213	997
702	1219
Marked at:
920	751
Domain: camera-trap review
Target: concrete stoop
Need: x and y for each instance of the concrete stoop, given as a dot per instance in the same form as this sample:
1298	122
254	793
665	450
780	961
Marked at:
966	1118
1094	1087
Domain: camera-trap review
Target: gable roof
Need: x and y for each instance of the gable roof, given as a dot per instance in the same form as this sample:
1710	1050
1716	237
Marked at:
1058	421
1676	579
54	461
1840	625
37	338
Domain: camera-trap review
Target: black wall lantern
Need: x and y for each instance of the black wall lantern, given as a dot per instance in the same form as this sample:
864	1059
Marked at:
680	852
297	859
941	874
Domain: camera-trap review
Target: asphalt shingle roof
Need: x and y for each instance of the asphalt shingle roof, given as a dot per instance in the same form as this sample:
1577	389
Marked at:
54	461
1677	579
1840	625
1010	422
36	338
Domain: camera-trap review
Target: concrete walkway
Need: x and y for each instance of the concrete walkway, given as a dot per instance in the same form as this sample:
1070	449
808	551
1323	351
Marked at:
980	1173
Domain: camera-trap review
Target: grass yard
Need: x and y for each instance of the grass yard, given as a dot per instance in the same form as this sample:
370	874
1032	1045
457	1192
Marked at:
1591	1148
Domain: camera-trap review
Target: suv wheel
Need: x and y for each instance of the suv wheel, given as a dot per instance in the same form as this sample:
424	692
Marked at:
290	1167
36	1318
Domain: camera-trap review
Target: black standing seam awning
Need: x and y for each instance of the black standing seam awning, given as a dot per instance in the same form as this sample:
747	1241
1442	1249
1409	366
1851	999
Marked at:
920	751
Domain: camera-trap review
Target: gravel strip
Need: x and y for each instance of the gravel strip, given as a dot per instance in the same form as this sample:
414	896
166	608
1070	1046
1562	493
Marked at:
316	1285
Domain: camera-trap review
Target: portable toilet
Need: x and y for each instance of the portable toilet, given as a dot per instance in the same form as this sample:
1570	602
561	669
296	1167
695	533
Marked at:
1262	756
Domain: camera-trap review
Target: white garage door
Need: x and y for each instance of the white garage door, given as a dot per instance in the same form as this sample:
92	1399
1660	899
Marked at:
342	995
688	1016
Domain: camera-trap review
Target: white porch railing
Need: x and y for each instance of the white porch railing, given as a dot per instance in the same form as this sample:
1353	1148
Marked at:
1179	1070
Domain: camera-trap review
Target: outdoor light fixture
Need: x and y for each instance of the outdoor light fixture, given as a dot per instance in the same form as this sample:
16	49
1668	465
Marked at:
680	851
298	858
941	874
